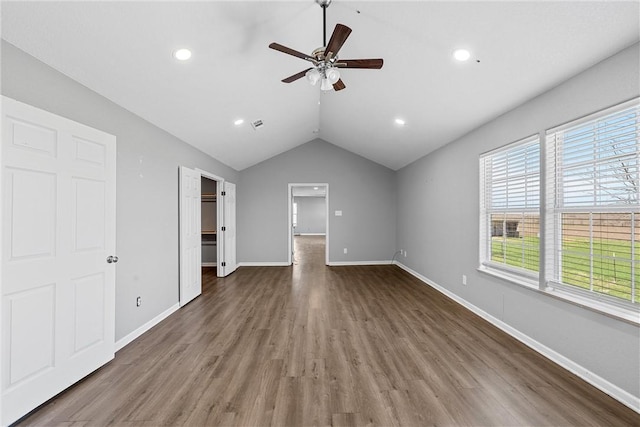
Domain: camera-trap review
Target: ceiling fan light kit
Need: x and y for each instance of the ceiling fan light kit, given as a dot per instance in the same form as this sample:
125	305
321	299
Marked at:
325	59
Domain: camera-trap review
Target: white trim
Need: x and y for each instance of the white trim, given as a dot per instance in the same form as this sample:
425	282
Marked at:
595	380
122	342
209	175
2	190
513	277
514	144
597	303
263	264
310	234
340	263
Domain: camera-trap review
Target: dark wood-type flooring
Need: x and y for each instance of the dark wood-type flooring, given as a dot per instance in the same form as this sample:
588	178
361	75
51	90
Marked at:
317	345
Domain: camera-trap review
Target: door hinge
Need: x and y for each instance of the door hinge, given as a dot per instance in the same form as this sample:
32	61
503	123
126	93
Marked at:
224	264
224	193
224	228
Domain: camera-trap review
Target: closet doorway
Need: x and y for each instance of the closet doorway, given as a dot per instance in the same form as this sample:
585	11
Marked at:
209	221
207	213
308	215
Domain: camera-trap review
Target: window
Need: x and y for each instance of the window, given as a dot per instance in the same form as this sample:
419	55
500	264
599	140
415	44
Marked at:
510	208
592	209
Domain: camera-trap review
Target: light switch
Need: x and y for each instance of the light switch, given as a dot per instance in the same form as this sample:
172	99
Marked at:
338	213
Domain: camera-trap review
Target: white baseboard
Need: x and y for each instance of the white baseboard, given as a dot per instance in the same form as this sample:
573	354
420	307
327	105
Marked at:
263	264
122	342
595	380
331	264
340	263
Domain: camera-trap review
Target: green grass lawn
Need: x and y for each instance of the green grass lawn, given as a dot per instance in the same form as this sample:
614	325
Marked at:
611	269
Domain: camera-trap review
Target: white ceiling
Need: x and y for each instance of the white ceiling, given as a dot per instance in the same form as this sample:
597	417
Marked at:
122	50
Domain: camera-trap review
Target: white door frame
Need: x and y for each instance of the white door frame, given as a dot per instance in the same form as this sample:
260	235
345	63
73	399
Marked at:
2	237
290	217
219	219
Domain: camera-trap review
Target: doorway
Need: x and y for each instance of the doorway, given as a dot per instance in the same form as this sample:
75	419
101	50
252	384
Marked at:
216	200
308	217
209	222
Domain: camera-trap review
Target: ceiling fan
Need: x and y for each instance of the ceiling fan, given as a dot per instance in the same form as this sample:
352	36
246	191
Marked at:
325	59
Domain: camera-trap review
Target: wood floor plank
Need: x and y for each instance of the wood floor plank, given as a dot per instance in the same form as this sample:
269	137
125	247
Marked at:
317	345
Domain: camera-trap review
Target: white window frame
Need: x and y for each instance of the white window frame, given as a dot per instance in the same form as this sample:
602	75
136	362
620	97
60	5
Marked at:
545	281
554	209
518	275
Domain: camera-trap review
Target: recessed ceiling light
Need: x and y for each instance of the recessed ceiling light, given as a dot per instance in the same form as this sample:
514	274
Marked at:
400	122
461	54
182	54
315	188
238	122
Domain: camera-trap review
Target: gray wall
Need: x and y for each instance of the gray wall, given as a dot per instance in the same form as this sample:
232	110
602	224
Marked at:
437	224
312	215
363	190
147	183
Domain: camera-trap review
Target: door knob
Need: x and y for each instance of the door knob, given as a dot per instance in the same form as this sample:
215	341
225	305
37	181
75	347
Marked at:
112	258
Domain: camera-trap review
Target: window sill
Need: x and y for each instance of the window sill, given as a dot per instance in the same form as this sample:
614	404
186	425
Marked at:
619	313
510	277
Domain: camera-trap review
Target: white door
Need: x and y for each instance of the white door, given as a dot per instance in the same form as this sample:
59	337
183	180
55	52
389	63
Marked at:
58	228
190	235
229	233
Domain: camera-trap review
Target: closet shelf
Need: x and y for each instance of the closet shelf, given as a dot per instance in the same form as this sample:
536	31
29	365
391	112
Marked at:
208	197
208	232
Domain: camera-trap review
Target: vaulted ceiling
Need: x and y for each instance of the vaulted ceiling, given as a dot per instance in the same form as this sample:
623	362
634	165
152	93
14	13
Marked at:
123	51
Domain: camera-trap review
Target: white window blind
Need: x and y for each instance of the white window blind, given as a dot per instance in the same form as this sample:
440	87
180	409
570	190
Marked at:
592	207
510	207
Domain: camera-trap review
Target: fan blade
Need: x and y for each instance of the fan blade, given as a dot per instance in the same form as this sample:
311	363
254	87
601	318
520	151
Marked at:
339	85
295	76
339	36
289	51
359	63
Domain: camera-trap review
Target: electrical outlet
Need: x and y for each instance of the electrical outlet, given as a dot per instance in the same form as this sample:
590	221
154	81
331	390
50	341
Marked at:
138	301
345	250
464	279
405	253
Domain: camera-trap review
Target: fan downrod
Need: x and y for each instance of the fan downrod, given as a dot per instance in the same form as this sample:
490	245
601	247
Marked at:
324	4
